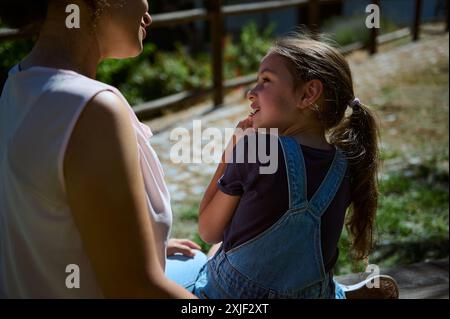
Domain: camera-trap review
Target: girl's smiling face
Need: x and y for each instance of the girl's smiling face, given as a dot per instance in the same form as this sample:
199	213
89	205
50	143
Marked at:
274	100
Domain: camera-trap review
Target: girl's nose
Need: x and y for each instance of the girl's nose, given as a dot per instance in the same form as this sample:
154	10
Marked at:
251	95
147	19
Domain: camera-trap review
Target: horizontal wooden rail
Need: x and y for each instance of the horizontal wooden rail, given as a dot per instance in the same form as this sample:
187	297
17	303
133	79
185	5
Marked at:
160	20
392	36
147	109
170	19
258	7
261	6
12	34
178	17
347	49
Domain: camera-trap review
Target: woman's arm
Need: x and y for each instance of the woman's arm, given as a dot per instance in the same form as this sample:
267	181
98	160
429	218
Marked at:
216	207
106	195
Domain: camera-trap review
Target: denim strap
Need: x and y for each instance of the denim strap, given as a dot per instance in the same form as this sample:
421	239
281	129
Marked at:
296	172
330	185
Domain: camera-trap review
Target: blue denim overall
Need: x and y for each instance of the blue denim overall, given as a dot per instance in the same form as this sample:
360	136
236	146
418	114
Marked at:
284	261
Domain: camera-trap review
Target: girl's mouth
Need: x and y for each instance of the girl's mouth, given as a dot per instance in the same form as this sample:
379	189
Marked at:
255	109
253	112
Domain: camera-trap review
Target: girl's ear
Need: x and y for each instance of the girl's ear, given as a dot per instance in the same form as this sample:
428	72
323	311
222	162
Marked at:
310	93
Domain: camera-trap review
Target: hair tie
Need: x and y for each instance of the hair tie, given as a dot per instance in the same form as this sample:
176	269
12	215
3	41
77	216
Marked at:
355	103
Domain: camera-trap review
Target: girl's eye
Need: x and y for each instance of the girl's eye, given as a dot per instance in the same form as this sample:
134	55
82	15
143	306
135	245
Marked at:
265	80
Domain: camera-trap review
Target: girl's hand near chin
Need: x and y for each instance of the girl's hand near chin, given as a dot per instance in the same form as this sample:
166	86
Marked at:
246	123
243	128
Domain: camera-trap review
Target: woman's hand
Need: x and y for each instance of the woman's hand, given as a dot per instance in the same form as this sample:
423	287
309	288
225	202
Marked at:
182	246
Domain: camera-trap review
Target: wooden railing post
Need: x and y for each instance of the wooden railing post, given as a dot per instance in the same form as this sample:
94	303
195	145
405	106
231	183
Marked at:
313	16
373	46
416	23
217	29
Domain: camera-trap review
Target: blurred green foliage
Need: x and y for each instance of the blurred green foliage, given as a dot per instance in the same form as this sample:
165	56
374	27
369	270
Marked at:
348	30
155	74
412	220
243	56
12	51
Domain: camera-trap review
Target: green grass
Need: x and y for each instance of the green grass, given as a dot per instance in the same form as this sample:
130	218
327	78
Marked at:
186	225
189	213
411	224
412	210
198	240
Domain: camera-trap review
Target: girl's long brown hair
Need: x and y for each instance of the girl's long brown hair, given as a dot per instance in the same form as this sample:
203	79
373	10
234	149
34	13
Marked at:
354	130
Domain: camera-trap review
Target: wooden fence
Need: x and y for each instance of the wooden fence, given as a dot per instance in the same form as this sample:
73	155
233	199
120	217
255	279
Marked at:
215	13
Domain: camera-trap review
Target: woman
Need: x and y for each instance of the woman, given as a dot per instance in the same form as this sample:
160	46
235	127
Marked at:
80	184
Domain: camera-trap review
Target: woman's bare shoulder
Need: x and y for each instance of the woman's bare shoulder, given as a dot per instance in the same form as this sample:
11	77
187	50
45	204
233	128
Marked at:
102	134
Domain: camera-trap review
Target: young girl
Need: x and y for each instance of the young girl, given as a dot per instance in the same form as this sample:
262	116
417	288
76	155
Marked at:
280	231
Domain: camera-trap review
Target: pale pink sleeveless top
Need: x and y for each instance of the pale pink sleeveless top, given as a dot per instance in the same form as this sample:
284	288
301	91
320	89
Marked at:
39	108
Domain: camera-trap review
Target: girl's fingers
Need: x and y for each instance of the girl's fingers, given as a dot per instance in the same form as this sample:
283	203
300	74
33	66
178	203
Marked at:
243	124
246	124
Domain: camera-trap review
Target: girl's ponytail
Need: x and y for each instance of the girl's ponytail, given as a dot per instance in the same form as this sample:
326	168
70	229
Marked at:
357	136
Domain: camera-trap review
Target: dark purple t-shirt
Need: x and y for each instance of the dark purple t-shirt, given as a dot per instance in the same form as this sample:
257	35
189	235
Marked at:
265	198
